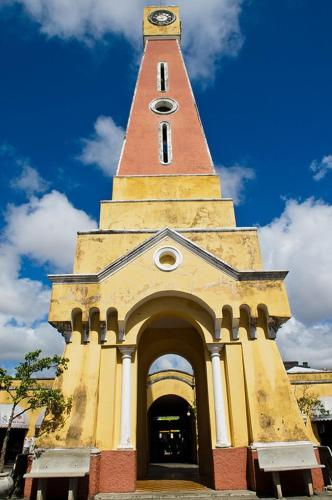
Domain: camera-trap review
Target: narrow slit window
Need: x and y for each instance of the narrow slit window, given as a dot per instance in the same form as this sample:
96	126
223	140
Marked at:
162	77
165	143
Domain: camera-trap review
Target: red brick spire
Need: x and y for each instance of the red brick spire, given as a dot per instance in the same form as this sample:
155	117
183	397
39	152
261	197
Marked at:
164	134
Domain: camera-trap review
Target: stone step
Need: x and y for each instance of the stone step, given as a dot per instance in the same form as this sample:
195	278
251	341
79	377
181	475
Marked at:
169	495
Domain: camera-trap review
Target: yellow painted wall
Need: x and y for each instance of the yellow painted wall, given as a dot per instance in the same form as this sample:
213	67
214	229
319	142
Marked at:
166	187
122	292
170	382
163	213
94	252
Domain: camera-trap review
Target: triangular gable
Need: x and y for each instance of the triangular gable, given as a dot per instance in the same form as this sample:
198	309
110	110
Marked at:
178	238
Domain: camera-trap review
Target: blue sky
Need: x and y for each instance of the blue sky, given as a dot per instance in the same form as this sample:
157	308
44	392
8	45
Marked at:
262	76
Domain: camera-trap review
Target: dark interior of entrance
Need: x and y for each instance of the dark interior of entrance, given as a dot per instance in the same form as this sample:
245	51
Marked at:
15	443
172	430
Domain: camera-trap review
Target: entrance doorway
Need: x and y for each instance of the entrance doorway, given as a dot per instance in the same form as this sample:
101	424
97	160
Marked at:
172	430
181	444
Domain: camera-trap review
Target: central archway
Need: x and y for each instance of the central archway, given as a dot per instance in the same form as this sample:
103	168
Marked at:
169	334
172	431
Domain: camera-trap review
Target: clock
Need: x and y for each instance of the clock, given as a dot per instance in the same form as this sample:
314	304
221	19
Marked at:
162	17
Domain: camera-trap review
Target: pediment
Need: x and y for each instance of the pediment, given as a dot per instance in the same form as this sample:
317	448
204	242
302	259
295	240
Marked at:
181	241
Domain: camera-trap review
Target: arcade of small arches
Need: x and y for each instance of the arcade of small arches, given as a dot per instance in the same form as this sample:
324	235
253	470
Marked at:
233	324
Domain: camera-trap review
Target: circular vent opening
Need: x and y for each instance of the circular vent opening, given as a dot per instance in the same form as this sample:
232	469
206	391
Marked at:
163	106
167	258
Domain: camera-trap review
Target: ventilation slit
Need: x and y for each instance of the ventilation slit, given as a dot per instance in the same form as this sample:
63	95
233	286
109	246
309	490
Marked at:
165	146
165	143
162	77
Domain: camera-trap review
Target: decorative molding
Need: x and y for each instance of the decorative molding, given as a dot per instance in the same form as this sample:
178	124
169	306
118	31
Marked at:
121	330
273	325
178	230
65	328
181	240
235	328
172	252
217	328
170	377
85	332
285	444
102	331
306	382
215	349
167	175
126	350
156	200
252	327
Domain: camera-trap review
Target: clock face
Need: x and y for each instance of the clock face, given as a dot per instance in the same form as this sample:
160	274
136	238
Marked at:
162	17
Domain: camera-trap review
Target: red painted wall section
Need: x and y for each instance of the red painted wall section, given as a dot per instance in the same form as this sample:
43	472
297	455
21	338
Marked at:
140	155
230	468
117	471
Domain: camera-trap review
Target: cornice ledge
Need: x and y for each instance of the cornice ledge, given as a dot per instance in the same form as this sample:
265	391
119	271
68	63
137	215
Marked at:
178	230
189	245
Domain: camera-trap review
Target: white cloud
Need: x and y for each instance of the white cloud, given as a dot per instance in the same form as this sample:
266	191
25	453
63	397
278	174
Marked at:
29	181
233	181
300	240
321	168
171	362
210	31
22	300
104	147
17	340
299	342
44	229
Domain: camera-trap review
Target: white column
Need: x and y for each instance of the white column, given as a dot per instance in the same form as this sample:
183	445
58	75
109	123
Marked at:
125	429
219	403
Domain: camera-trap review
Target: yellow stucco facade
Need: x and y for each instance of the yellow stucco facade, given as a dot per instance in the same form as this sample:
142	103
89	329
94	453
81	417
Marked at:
169	271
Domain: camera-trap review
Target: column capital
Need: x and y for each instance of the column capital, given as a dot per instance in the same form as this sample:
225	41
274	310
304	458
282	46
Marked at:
126	350
215	349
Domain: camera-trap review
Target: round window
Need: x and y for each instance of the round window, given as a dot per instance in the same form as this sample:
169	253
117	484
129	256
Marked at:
167	258
164	106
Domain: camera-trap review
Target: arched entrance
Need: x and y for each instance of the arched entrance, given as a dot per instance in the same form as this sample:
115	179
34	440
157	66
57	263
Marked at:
172	431
170	334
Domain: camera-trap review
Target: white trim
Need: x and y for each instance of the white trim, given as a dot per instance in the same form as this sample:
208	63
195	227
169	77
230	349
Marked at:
122	261
174	105
167	251
125	427
177	229
167	175
222	440
260	444
159	200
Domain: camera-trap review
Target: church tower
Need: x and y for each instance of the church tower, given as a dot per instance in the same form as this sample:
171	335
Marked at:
168	271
